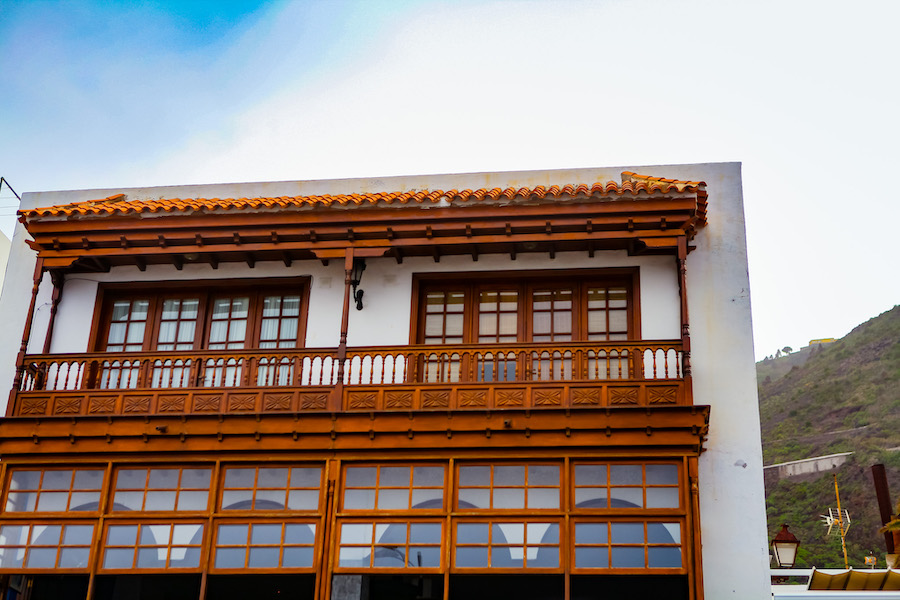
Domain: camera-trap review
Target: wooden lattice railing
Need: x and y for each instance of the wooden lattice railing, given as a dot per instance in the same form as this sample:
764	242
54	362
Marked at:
644	360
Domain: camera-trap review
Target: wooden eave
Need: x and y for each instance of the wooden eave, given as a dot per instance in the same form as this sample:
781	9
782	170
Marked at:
665	430
651	225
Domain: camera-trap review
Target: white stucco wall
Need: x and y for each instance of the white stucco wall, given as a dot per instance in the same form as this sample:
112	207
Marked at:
732	501
4	254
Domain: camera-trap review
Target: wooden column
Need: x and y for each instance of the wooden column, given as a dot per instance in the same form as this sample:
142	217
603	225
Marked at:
695	569
26	335
337	394
58	280
680	262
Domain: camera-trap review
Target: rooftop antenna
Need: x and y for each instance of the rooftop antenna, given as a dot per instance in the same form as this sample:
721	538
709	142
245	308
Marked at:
840	517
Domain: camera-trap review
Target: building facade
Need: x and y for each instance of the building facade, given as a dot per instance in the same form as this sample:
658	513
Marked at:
532	384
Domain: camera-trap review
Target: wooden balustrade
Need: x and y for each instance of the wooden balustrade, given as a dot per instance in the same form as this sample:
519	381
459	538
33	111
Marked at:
311	374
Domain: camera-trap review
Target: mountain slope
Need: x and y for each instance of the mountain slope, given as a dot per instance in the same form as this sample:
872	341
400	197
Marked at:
843	397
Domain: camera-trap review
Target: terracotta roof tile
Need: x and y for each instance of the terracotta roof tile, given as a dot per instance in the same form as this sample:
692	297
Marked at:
632	185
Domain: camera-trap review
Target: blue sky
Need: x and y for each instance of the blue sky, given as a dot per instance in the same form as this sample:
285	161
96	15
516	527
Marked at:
804	93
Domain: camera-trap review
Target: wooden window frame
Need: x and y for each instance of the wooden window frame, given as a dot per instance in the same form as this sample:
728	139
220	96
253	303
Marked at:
525	282
246	569
644	486
177	490
374	521
103	546
40	490
220	507
499	519
646	545
525	487
159	291
377	488
28	547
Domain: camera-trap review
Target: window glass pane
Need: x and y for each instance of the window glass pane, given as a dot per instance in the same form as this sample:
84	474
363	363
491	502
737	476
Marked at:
625	557
261	558
45	535
627	533
240	478
662	497
160	501
618	320
474	498
155	535
625	475
543	498
84	501
237	499
471	557
428	476
509	498
263	534
296	533
230	558
394	476
88	479
664	557
269	500
53	501
272	478
131	479
118	558
626	497
474	476
543	475
359	499
663	533
662	475
427	498
163	479
306	477
57	480
78	535
74	558
591	533
121	309
597	557
472	533
25	480
232	535
509	475
195	478
356	533
360	476
193	500
121	535
21	501
393	499
303	499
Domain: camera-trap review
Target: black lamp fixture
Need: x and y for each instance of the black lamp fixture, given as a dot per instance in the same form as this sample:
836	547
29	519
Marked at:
785	545
359	265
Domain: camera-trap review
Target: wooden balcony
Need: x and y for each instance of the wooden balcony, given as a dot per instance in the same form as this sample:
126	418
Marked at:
317	380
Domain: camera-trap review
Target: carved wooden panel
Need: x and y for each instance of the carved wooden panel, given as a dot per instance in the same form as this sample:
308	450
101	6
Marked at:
623	395
587	396
207	402
361	400
662	395
171	403
398	400
67	406
547	397
514	397
34	406
101	404
275	402
313	401
436	399
136	404
473	398
241	402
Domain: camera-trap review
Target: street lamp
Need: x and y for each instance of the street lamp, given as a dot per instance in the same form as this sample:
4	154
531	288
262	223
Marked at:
785	545
359	265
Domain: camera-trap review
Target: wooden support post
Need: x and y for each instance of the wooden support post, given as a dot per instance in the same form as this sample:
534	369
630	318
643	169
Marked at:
338	391
26	335
681	263
695	566
58	280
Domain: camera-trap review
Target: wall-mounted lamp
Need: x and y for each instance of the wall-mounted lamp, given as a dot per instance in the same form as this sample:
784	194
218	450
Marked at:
359	265
785	545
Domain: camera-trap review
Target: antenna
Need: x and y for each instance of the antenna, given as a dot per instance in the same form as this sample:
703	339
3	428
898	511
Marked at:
840	517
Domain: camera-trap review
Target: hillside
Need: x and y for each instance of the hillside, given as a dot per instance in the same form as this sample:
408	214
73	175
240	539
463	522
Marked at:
837	398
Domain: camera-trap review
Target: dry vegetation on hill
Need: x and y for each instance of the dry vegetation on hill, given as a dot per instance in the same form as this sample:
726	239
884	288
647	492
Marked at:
843	397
